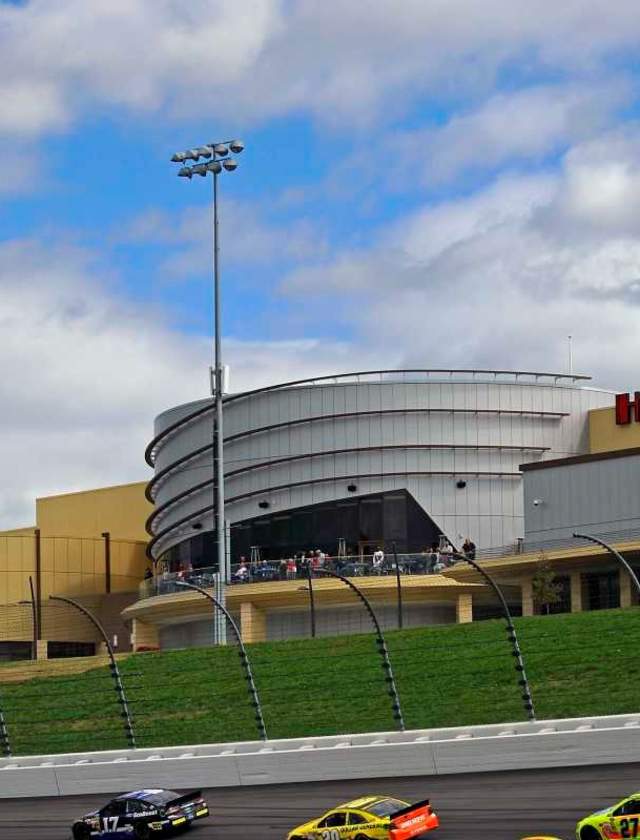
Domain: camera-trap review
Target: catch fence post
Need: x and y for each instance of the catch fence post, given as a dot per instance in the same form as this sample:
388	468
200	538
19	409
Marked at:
523	682
246	664
381	644
113	666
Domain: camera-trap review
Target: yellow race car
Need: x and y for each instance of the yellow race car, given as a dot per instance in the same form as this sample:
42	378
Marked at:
370	818
621	820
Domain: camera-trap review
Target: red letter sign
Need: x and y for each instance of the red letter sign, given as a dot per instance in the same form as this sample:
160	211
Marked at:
624	406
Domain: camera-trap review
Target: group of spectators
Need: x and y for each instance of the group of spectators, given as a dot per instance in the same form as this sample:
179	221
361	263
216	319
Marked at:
431	561
286	568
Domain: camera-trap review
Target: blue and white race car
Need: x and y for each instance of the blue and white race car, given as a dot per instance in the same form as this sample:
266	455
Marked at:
141	814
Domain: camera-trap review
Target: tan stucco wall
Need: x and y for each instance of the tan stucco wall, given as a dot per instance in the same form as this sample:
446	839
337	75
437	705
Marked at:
605	436
121	510
72	554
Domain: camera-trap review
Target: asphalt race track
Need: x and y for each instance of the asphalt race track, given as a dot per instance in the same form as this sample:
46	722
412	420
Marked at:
500	806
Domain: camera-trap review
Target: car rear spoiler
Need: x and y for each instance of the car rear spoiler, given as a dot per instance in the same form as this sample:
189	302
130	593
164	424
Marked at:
182	800
422	804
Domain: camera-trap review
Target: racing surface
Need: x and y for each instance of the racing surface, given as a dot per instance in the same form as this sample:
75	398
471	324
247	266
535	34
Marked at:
495	806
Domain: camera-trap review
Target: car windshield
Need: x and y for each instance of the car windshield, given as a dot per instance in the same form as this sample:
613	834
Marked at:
386	807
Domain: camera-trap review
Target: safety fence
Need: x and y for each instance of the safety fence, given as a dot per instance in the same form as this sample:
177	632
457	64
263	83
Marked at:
165	581
577	665
619	536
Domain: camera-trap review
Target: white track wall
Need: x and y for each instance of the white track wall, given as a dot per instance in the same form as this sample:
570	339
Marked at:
475	749
466	425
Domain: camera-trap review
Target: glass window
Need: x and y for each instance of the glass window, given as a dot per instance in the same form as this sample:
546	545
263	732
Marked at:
362	522
11	651
371	520
116	808
301	529
632	806
59	650
334	819
395	518
348	522
603	590
356	819
324	527
281	531
386	807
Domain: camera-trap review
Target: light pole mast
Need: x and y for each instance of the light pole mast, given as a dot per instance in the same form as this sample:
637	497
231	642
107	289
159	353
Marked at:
214	152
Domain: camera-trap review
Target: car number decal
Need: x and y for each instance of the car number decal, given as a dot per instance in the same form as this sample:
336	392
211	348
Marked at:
109	823
629	827
331	834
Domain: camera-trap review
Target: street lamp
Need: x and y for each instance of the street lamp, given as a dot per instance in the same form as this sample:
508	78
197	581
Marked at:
215	160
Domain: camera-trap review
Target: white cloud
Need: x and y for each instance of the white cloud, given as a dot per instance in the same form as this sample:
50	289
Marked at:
523	125
83	373
500	278
249	237
601	195
344	62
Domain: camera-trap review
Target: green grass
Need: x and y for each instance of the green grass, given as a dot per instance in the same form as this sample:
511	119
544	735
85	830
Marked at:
450	675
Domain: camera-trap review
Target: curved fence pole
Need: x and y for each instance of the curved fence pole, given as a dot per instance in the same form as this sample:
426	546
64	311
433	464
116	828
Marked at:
523	682
5	743
616	554
246	664
381	643
113	665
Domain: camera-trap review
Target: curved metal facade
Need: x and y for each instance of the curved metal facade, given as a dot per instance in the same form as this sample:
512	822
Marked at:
426	432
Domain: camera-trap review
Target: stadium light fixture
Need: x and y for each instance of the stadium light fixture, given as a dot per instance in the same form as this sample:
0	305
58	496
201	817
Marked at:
211	163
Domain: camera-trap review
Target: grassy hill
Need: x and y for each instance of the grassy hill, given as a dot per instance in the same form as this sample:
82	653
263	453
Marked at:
581	664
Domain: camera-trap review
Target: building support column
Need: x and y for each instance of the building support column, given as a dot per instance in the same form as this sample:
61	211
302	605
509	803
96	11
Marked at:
464	608
526	588
253	623
626	598
144	636
42	649
106	536
576	592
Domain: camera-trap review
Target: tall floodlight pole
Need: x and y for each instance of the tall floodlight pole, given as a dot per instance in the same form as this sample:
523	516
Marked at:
215	156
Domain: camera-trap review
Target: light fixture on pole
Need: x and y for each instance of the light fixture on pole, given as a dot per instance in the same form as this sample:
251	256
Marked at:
211	153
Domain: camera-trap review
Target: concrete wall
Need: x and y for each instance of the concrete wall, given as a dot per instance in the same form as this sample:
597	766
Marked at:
187	634
596	496
474	749
445	415
346	620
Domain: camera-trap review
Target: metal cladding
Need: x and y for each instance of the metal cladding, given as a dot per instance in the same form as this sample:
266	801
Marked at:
455	440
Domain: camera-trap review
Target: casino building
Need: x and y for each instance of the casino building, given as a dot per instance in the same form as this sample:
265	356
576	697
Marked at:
362	460
345	464
515	460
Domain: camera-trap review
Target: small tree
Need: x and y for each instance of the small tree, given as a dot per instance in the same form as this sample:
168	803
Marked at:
546	590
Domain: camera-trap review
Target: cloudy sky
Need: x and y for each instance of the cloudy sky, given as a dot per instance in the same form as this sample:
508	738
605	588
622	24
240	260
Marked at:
426	182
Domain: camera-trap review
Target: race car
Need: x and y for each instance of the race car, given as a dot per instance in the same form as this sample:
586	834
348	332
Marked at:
142	814
370	818
621	820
